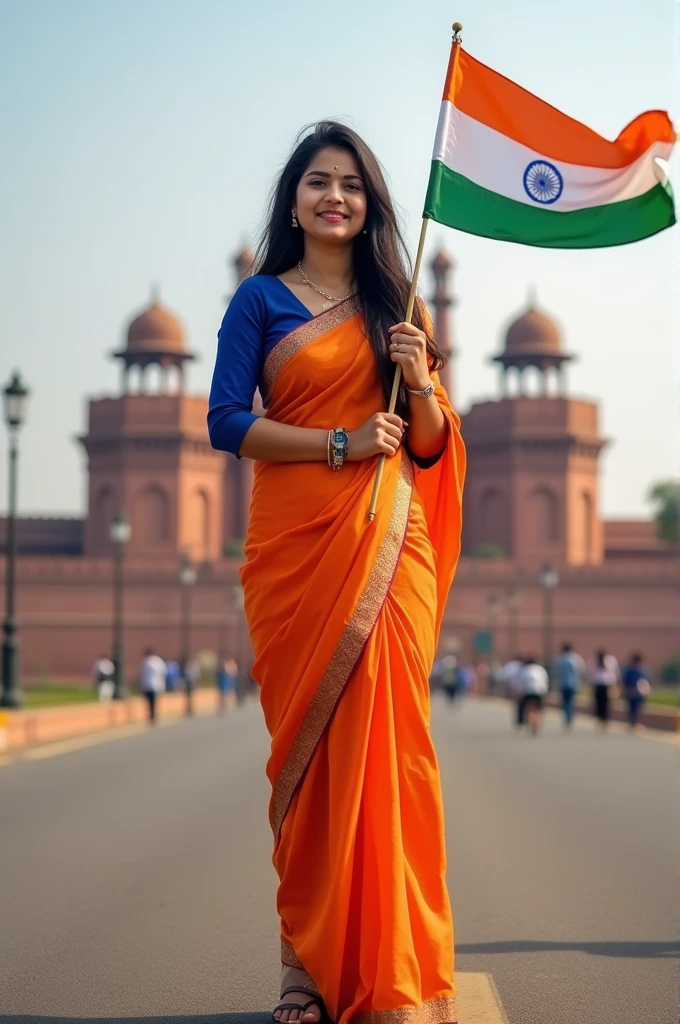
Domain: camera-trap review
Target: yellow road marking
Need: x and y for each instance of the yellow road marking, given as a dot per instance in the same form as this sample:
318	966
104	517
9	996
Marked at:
477	999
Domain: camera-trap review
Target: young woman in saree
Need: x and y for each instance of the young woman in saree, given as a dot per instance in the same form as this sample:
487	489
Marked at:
344	614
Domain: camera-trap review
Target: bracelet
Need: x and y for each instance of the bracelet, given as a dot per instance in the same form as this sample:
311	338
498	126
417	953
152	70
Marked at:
425	393
338	444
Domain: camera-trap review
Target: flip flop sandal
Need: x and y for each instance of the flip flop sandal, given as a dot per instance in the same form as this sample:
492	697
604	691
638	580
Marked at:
303	1007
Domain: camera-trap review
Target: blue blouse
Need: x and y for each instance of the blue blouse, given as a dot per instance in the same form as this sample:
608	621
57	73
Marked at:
262	311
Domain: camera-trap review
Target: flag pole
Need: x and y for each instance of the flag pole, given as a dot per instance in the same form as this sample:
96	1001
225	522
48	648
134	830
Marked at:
397	373
457	29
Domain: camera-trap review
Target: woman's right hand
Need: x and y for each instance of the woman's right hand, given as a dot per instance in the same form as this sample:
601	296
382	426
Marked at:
380	435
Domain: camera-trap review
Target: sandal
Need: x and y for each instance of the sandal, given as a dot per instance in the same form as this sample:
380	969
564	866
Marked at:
303	1007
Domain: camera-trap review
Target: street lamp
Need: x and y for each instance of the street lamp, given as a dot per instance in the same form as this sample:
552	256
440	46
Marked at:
14	396
512	603
119	532
549	581
187	579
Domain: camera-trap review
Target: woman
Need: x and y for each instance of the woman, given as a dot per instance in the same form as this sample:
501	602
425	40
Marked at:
604	674
344	614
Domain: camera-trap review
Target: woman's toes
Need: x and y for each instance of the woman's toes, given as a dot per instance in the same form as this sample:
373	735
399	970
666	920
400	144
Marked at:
312	1015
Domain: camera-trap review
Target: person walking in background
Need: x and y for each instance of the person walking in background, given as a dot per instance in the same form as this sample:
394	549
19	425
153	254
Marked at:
103	672
173	675
533	683
227	674
152	680
511	682
636	688
448	676
190	676
569	671
605	676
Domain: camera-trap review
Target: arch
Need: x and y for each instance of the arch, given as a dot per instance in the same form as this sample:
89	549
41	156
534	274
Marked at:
151	522
200	511
542	516
587	531
491	516
104	511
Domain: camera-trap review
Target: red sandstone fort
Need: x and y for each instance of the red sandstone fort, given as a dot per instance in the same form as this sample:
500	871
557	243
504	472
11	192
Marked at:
532	499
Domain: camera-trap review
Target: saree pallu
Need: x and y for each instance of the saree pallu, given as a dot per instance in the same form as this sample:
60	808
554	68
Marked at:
344	618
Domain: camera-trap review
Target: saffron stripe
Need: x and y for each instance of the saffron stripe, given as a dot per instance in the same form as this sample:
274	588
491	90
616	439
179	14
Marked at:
493	99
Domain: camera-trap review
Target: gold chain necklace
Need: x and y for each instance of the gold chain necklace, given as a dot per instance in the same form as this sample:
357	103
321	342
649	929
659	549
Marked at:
332	298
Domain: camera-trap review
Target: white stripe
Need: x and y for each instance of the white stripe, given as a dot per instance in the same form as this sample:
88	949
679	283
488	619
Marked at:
498	163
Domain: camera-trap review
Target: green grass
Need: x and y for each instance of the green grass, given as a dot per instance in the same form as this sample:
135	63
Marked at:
55	696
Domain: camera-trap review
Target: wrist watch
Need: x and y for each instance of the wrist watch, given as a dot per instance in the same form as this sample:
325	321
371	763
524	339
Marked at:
425	393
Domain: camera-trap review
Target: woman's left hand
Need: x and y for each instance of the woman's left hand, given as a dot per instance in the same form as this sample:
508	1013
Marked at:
408	347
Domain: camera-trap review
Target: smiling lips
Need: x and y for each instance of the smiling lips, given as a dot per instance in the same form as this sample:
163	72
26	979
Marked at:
333	216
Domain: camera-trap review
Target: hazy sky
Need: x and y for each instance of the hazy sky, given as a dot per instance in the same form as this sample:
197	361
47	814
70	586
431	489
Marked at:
140	138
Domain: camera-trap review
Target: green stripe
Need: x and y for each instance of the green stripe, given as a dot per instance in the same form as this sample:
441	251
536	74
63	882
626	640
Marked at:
456	201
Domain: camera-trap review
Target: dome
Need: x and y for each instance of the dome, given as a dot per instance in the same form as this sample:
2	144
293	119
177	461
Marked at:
155	330
533	332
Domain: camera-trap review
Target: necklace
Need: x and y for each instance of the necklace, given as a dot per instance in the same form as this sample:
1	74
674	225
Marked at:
332	298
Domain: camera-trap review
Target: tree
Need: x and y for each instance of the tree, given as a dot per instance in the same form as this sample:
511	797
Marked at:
665	497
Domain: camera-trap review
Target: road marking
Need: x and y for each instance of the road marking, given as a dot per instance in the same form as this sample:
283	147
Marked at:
478	1001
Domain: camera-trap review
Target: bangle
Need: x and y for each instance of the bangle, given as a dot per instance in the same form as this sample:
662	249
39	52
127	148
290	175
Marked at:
338	444
425	393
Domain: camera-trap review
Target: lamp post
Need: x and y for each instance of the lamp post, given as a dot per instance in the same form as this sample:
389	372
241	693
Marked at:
513	606
14	395
119	532
187	579
549	581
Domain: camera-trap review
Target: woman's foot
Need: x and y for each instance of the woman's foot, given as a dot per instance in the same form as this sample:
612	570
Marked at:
304	996
311	1015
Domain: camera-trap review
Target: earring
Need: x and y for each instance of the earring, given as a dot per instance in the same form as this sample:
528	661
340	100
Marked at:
364	232
294	221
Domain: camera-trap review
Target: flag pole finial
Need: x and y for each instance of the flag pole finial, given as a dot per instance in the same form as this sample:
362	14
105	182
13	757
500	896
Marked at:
457	30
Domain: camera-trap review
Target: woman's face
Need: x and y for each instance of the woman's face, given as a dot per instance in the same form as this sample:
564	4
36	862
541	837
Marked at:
330	202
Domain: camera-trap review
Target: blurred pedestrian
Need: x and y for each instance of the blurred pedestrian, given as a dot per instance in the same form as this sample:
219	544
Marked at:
449	676
173	676
511	682
605	676
569	671
532	683
227	674
152	680
636	688
103	672
190	677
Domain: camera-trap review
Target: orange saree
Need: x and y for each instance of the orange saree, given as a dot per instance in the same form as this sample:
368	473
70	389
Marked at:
344	617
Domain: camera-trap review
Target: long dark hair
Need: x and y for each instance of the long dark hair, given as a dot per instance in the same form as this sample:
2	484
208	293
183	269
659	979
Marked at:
382	267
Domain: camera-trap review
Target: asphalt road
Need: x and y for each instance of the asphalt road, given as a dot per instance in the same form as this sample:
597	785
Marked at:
136	883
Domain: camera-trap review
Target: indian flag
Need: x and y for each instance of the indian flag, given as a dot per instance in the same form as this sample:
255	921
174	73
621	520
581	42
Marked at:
506	165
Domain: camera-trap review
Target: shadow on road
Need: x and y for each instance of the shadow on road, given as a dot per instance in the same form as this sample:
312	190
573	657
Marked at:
213	1018
634	950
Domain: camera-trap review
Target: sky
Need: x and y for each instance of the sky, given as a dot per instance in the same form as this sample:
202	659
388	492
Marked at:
141	138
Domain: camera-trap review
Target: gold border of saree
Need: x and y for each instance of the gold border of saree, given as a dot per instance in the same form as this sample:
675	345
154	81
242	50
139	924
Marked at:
346	654
303	335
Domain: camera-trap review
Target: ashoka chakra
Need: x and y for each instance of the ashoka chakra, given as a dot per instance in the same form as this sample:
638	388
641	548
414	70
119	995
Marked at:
543	182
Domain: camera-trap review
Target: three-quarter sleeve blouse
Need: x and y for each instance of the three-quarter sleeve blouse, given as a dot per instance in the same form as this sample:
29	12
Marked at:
262	311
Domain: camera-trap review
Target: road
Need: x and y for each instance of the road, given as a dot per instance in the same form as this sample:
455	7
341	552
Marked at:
136	882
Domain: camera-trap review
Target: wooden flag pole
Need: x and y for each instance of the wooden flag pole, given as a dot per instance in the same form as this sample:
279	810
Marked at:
457	38
397	373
